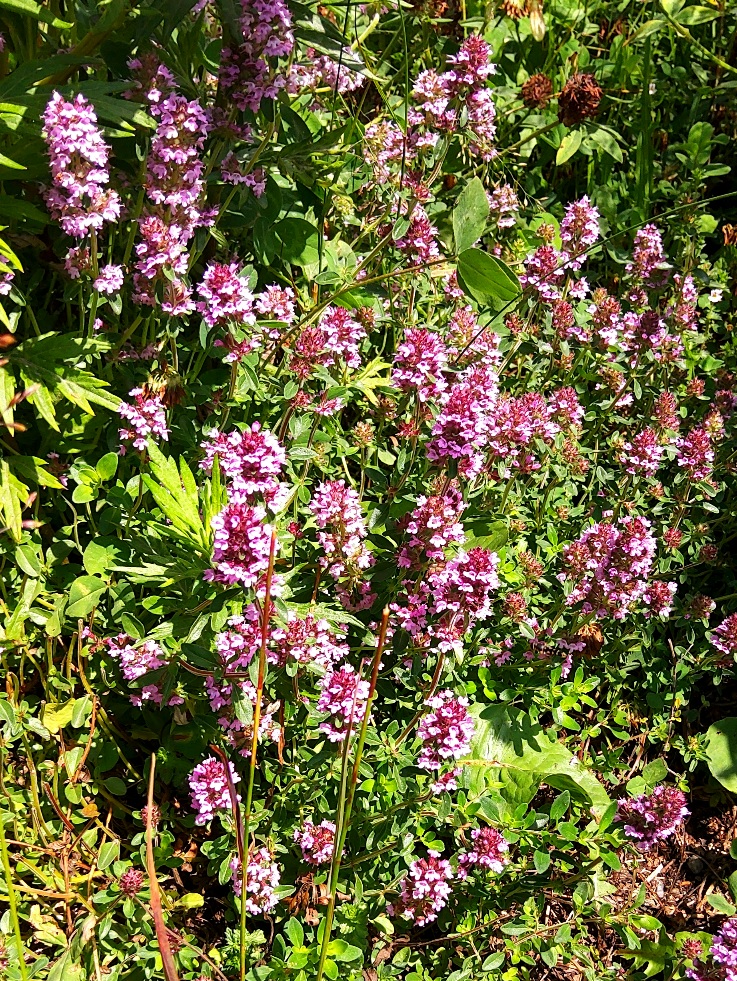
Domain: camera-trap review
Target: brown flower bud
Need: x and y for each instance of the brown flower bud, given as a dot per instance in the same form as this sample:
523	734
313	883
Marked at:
579	99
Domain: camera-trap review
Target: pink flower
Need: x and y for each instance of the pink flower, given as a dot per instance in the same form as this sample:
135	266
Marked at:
262	879
343	335
248	74
146	416
277	303
579	230
504	204
316	841
488	851
241	545
609	566
110	279
343	695
431	527
225	296
419	363
337	511
446	731
696	453
208	786
251	460
648	258
724	637
650	818
79	198
424	890
642	454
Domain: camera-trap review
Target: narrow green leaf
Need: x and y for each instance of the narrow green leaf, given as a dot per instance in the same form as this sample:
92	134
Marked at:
569	145
470	215
485	277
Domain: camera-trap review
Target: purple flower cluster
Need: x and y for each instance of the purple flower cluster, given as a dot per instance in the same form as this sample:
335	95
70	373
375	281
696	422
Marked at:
419	363
337	511
146	416
138	660
642	454
152	81
579	230
462	426
343	695
649	264
343	335
79	198
251	460
488	851
609	566
724	637
262	879
110	279
446	730
447	602
321	72
504	205
696	453
424	890
310	641
442	101
208	785
431	527
316	841
650	818
224	296
175	191
241	545
248	73
723	951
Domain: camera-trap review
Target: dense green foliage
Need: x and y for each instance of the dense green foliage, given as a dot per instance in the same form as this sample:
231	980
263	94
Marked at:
493	308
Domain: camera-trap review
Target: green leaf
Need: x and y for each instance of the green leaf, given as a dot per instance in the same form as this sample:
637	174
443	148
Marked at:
569	145
28	560
101	555
654	773
470	215
510	749
107	466
341	950
560	805
55	717
606	140
84	596
109	853
132	626
7	712
12	164
192	900
299	241
721	752
295	932
542	861
720	904
484	277
672	7
34	469
494	961
697	15
648	28
35	10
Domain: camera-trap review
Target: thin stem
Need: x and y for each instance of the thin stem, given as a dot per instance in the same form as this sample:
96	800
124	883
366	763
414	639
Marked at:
344	810
12	906
265	617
